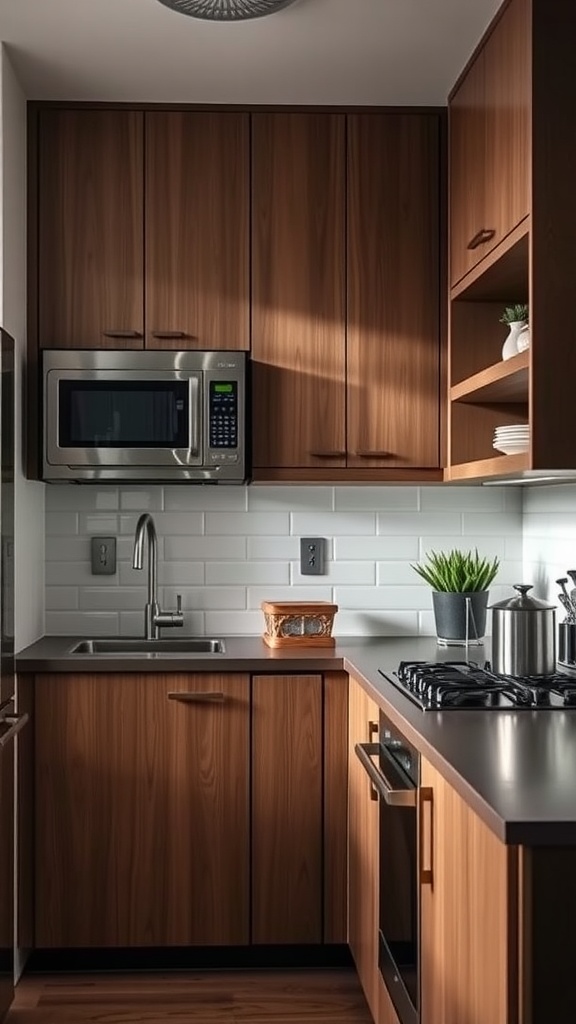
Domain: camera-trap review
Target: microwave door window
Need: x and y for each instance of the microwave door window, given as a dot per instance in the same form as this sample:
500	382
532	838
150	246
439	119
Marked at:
132	414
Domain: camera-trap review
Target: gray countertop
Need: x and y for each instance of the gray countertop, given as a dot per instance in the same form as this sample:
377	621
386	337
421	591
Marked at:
516	769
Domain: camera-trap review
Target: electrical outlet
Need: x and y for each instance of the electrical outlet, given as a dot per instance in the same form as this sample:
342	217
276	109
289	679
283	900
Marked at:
312	556
103	551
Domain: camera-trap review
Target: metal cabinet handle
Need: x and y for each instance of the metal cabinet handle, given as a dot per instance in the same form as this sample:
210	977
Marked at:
426	864
328	455
481	237
403	797
372	732
16	723
168	334
122	334
208	697
367	454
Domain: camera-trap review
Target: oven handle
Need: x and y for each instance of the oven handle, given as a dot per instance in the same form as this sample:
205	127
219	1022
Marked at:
395	797
15	723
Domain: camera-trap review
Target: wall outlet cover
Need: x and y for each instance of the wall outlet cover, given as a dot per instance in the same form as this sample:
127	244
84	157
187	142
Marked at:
103	556
312	556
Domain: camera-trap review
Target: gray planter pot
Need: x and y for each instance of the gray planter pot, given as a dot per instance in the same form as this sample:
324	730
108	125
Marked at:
460	618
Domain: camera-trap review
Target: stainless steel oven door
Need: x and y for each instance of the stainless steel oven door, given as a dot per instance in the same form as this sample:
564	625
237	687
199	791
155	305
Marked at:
398	881
10	725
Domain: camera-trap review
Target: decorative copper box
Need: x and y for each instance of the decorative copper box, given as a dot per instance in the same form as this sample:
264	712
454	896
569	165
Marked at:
299	623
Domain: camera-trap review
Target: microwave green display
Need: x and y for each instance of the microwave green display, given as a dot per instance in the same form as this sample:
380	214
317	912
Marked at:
223	389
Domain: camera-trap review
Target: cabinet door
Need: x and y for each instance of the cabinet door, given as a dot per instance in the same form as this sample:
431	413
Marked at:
287	821
507	104
466	914
363	845
467	133
142	810
298	335
197	245
90	230
393	290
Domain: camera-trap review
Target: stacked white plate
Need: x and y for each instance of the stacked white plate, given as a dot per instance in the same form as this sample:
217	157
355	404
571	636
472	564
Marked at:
512	439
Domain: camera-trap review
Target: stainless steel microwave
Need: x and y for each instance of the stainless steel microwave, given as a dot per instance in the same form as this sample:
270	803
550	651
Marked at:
144	416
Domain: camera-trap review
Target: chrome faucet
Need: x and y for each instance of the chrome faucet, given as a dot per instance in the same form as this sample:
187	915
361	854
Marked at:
154	617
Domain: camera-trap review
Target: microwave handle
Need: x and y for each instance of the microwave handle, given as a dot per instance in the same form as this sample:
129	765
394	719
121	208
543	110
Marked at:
395	797
195	414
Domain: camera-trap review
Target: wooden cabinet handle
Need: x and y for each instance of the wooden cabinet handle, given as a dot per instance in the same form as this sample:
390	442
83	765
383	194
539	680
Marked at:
481	237
208	697
426	847
169	334
328	455
122	334
367	454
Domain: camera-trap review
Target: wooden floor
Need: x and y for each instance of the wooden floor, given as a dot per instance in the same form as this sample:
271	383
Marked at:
234	997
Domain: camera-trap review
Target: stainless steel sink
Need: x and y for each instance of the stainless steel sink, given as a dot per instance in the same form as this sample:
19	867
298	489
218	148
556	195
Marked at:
119	646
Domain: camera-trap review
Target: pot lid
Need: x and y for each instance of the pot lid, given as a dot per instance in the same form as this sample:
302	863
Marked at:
523	603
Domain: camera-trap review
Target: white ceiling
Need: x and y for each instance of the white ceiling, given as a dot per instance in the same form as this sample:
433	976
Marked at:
315	52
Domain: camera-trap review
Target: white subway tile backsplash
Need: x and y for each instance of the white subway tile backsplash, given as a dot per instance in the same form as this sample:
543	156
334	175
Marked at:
227	549
439	524
333	524
205	499
361	499
275	548
88	498
341	573
299	499
76	623
490	499
62	598
248	573
234	623
141	499
376	547
247	524
204	549
316	592
61	524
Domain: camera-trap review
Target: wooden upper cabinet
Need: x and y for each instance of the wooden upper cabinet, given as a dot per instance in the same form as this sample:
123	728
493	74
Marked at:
298	293
393	290
468	913
90	229
142	810
490	142
197	230
287	801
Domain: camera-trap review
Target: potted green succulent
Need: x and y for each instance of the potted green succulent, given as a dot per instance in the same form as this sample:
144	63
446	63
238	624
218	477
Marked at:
459	581
518	338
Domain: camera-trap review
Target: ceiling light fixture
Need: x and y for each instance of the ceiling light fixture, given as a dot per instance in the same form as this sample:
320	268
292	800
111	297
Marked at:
226	10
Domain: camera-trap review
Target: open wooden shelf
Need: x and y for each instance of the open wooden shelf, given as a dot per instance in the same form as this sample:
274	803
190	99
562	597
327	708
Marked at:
505	381
498	466
503	274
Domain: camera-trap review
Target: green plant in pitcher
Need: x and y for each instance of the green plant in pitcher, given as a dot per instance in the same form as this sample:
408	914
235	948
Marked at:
458	571
515	314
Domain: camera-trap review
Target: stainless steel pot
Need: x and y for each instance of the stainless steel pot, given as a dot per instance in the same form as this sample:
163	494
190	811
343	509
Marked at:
523	635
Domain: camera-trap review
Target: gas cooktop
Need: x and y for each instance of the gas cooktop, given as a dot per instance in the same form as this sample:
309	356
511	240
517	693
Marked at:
448	685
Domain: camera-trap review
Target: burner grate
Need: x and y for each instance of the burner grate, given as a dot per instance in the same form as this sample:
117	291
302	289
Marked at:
465	684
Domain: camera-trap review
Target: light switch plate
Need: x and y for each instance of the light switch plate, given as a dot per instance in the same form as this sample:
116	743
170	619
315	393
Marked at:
103	556
312	556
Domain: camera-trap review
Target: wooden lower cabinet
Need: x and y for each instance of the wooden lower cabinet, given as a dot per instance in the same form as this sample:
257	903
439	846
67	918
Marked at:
190	809
287	809
468	913
142	810
363	847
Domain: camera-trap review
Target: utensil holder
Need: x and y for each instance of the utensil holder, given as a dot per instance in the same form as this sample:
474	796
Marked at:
567	643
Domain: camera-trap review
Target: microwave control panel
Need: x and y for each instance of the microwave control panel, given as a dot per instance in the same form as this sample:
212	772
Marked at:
223	414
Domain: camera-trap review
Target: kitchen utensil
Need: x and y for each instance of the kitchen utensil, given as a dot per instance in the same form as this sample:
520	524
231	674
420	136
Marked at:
524	635
562	583
568	607
572	574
